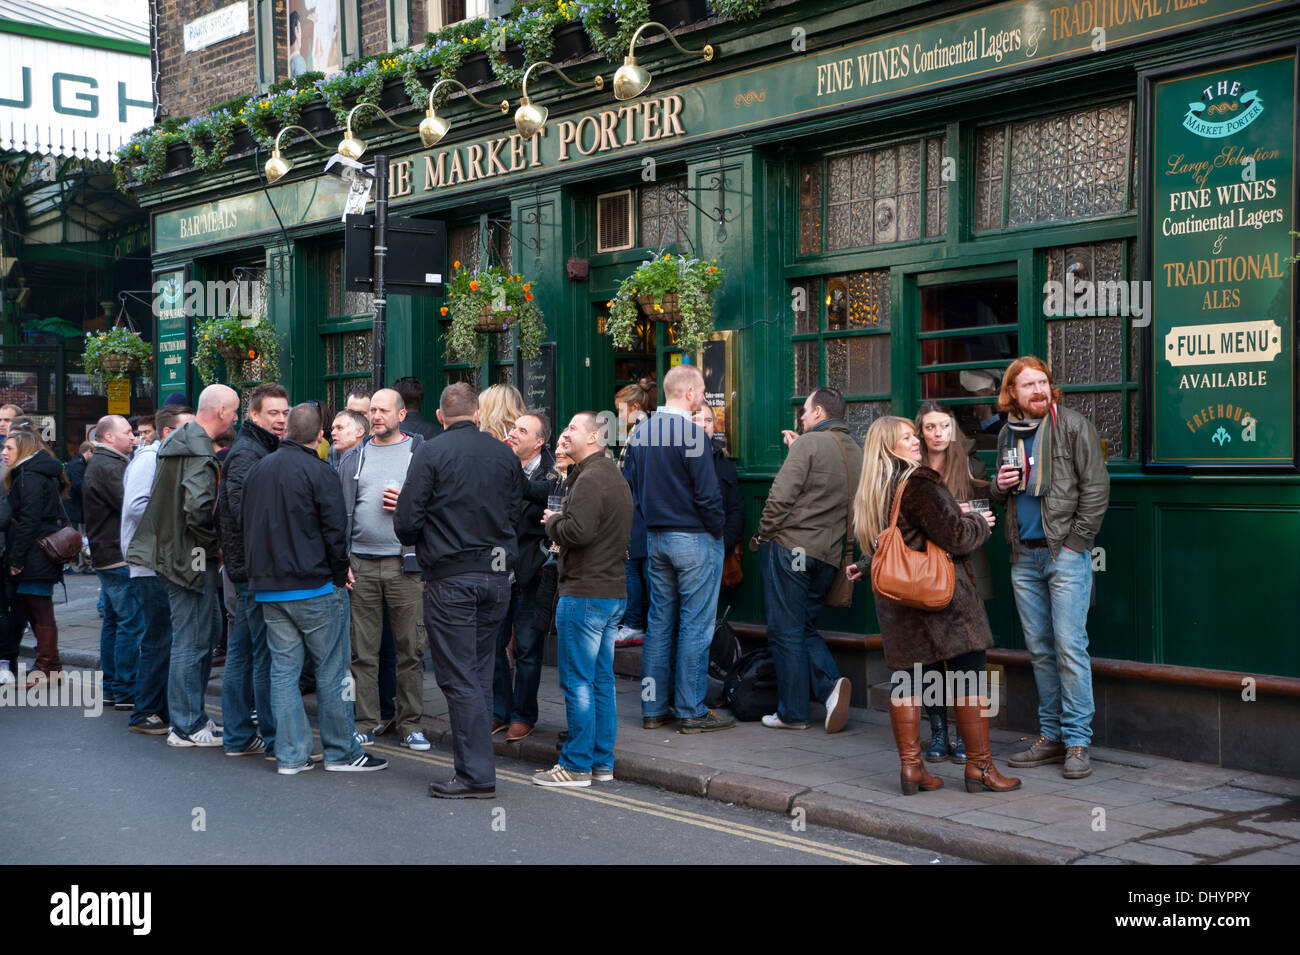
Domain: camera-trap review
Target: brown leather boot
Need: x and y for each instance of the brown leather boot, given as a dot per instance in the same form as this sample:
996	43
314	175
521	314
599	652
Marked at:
47	649
973	726
905	718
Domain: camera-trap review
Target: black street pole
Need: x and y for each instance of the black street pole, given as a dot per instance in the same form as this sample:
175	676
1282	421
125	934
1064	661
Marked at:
380	334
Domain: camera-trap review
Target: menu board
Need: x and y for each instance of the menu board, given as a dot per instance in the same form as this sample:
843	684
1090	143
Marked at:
1222	209
171	358
536	379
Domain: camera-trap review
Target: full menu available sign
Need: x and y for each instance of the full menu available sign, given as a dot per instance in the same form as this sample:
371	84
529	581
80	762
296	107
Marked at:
169	306
1223	206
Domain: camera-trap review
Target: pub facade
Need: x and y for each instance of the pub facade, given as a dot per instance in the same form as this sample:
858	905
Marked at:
901	198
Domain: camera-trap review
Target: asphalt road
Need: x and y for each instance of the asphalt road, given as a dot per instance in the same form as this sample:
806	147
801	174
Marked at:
103	795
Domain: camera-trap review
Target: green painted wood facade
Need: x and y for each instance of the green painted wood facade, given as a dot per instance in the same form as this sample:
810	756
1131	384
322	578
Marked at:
1194	570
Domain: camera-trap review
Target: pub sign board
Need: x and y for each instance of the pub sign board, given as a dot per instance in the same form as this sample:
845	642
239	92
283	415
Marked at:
1223	289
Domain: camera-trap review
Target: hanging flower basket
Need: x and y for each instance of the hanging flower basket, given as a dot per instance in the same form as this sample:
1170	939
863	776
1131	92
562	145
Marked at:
115	354
666	288
239	341
665	310
493	323
490	301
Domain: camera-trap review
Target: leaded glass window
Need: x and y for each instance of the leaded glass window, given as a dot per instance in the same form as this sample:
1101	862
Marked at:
1069	166
1093	351
840	330
873	197
662	219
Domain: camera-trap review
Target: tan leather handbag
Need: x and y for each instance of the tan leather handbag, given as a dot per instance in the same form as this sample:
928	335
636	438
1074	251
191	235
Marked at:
914	578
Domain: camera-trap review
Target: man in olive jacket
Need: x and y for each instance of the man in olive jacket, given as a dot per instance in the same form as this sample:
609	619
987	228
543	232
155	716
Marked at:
1055	501
802	539
177	537
593	531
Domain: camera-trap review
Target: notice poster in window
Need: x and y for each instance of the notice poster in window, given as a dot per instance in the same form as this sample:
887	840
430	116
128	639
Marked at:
717	362
314	31
1222	211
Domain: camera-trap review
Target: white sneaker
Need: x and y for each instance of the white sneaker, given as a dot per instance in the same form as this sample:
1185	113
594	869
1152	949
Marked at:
629	637
772	721
209	735
837	705
6	674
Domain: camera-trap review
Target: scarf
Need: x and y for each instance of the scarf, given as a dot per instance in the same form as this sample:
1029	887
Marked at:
1035	479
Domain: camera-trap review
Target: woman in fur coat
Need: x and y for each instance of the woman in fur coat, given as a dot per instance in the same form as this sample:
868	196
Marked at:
955	637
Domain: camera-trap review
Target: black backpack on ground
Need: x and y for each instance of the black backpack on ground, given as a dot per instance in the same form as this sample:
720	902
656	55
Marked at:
751	686
724	652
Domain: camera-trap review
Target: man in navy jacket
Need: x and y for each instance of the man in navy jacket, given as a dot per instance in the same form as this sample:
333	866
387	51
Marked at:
669	464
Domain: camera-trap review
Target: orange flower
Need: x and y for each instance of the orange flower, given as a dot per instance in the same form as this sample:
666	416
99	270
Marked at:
527	286
443	310
252	354
713	268
528	296
610	303
473	286
456	264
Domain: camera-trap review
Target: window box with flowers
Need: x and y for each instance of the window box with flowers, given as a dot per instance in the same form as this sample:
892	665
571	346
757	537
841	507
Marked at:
490	301
670	289
527	40
116	354
237	341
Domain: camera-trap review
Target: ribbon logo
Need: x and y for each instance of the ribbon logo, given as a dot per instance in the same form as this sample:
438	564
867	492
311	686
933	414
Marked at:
1195	123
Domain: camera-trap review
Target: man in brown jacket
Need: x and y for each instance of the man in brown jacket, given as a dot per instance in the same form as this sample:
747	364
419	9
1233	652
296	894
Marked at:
593	531
802	539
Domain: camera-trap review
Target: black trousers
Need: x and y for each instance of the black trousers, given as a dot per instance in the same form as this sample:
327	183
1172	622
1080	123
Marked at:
13	620
463	614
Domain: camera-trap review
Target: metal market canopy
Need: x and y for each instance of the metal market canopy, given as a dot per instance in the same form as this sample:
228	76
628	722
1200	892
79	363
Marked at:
71	83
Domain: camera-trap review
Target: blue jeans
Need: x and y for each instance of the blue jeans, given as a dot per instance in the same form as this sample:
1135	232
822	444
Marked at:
638	589
586	627
516	702
1052	597
119	633
317	626
685	574
792	598
194	616
246	682
150	597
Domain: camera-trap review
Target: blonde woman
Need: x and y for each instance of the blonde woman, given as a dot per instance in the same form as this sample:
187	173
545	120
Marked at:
499	406
34	485
956	636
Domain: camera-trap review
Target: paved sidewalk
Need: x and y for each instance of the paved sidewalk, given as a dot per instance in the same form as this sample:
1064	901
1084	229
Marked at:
1133	808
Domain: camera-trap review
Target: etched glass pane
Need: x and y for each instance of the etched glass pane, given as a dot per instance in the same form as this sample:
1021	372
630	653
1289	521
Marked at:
810	208
463	247
663	213
936	191
1068	166
839	233
806	370
860	414
1134	426
331	354
470	376
988	178
859	365
840	169
358	355
503	346
858	300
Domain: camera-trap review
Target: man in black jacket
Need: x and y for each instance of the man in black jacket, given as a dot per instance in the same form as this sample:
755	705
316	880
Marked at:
247	679
514	707
296	556
412	392
460	508
123	625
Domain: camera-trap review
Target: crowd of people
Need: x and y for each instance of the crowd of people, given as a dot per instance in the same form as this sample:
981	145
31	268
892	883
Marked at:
331	564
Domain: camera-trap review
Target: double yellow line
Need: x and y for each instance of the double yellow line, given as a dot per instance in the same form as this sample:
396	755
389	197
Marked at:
793	841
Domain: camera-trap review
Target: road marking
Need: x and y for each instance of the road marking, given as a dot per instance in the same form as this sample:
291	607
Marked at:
688	817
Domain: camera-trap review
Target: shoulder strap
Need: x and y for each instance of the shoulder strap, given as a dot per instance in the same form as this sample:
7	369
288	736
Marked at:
898	502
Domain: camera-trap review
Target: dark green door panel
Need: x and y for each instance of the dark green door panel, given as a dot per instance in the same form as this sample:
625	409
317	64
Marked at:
1229	593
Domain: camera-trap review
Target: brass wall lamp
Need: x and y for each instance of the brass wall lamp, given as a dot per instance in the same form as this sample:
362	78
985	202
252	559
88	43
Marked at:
350	147
433	127
632	79
530	119
277	166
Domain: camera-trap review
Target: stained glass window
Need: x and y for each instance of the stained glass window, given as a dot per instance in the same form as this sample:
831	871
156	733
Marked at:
1092	348
1073	165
